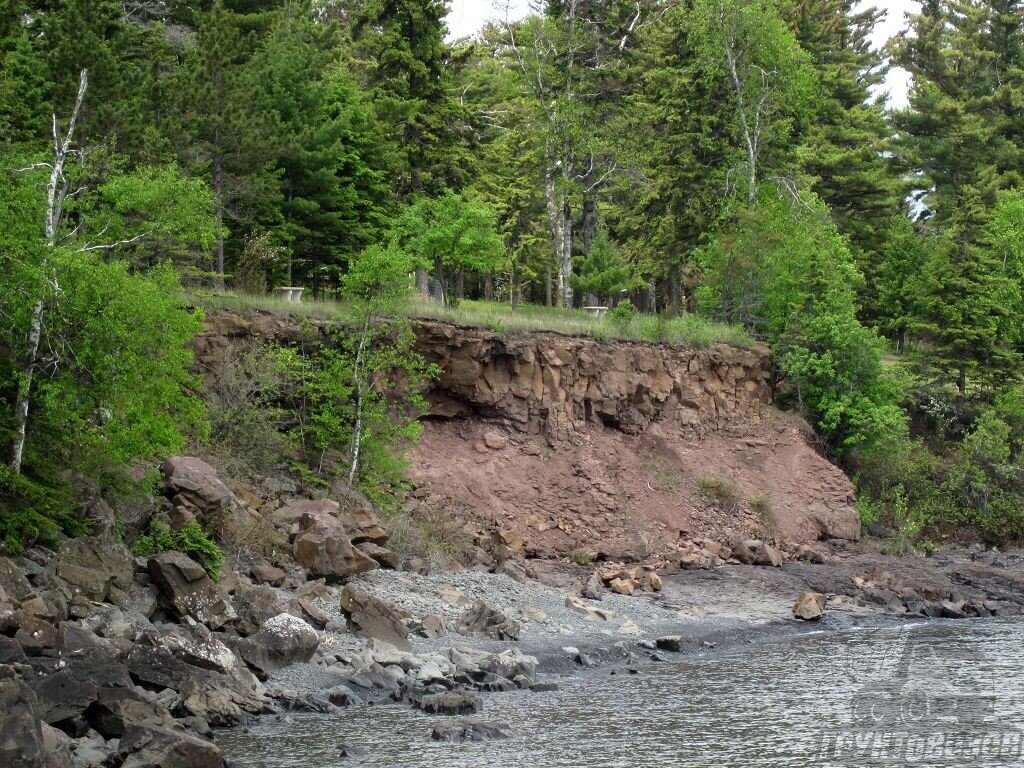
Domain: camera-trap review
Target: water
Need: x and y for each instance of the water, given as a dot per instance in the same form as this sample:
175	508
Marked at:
931	694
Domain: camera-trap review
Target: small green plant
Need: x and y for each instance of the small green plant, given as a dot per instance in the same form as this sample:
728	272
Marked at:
191	540
581	558
721	491
623	312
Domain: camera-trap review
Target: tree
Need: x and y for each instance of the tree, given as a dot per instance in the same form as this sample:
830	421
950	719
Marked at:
784	271
451	235
603	272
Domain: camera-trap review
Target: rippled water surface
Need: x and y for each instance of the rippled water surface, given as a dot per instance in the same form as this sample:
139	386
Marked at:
799	702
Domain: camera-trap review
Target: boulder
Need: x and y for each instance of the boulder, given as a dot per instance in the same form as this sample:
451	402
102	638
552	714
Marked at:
152	746
282	640
480	620
63	695
432	625
264	573
594	588
385	558
622	586
324	549
651	581
768	556
671	643
117	709
370	616
194	485
573	603
809	554
13	584
22	741
451	703
809	606
470	730
92	566
495	440
186	590
364	527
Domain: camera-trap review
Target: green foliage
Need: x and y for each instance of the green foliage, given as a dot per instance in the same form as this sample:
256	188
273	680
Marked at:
191	540
450	235
624	312
721	491
784	271
603	272
260	258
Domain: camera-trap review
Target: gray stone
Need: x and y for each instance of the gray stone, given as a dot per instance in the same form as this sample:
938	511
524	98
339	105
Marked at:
470	730
186	590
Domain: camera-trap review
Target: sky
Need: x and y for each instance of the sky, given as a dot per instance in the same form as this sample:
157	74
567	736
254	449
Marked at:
467	16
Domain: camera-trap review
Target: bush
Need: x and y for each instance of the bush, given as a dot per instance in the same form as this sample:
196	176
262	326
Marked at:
623	312
191	540
722	491
31	513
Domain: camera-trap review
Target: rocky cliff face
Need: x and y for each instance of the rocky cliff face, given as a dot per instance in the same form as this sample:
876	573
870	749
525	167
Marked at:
560	386
620	443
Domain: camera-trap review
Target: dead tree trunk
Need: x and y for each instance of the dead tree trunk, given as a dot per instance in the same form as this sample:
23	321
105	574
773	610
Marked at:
56	190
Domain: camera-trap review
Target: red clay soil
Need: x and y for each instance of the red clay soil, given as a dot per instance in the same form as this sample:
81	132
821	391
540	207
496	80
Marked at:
630	497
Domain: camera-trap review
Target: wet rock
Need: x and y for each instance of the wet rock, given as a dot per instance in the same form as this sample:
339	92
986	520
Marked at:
809	606
470	730
545	687
451	703
340	696
671	643
150	746
186	590
370	616
482	621
282	640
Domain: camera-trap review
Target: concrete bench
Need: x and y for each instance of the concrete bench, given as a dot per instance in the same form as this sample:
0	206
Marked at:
596	312
291	293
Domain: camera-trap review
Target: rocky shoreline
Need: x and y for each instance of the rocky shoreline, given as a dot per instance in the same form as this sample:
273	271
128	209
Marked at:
110	660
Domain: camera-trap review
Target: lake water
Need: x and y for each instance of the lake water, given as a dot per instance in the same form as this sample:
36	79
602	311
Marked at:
949	694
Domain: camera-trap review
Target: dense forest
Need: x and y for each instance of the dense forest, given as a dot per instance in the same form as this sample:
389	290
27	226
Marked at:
728	159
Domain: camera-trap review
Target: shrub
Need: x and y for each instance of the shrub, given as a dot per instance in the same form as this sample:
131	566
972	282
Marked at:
721	491
191	540
623	312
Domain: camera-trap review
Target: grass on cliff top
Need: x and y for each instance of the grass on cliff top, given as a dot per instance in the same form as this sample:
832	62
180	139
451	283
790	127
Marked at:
685	331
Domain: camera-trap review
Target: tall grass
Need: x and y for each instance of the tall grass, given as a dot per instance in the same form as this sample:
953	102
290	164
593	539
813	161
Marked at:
686	331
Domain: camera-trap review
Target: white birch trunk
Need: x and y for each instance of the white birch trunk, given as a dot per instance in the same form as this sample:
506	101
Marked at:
55	192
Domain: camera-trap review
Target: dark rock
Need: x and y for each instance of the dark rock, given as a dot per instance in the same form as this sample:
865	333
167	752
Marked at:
451	703
91	566
186	590
809	554
255	605
385	558
11	651
340	696
63	695
117	709
545	687
22	741
264	573
282	640
370	616
671	643
951	610
13	582
470	730
149	746
480	620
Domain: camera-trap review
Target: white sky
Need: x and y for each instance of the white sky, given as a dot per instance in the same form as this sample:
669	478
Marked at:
467	16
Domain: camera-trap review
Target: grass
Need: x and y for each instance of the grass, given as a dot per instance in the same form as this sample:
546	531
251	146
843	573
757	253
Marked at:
686	331
721	491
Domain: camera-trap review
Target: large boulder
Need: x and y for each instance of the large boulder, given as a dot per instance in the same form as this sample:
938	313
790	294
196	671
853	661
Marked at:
153	746
451	703
193	485
480	620
364	527
92	567
282	640
809	606
370	616
324	549
186	590
118	709
23	743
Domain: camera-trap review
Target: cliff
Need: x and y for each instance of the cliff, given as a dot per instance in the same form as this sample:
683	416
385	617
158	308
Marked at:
570	445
